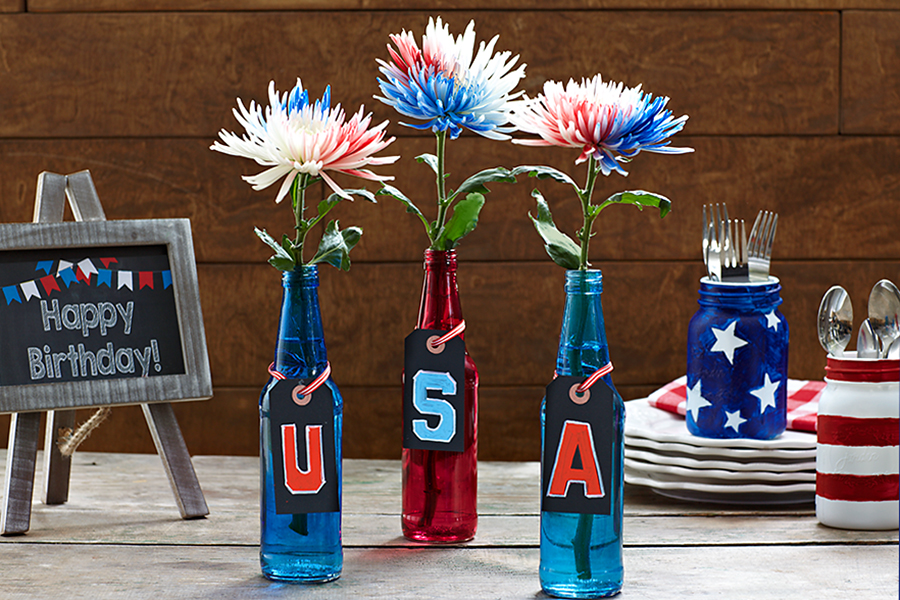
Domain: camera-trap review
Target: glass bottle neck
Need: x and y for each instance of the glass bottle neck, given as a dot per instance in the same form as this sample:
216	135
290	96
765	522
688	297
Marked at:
582	341
300	351
439	307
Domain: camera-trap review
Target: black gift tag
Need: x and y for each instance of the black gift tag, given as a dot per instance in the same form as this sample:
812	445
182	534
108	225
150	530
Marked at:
576	464
434	392
303	449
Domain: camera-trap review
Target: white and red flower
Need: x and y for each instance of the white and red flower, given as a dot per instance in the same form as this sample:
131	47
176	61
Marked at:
291	136
608	121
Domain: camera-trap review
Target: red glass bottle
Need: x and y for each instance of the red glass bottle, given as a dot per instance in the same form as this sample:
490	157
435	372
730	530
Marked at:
440	488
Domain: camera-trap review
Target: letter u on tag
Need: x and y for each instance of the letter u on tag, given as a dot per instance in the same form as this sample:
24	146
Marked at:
297	480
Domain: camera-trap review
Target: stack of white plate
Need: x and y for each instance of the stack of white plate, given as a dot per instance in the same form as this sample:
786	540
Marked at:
660	453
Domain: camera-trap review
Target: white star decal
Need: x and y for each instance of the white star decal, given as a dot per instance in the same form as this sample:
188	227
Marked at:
727	341
695	400
772	321
766	394
734	419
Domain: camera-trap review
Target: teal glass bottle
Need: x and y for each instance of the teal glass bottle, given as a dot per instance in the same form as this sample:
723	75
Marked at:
301	548
581	554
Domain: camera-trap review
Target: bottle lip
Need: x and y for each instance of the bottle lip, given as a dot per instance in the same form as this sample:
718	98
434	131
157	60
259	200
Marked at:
440	260
589	280
873	370
303	275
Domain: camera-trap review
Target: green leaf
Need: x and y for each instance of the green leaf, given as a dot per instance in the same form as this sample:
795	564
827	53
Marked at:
642	199
327	204
542	172
335	245
362	193
430	160
463	220
475	183
282	259
389	190
562	249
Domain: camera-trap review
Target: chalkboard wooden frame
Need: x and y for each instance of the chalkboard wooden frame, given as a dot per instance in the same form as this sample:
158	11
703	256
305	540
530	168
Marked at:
175	234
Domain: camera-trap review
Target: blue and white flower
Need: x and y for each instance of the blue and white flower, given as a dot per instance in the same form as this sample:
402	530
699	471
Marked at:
448	84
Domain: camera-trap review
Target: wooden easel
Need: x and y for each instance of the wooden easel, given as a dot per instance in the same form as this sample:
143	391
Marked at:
49	207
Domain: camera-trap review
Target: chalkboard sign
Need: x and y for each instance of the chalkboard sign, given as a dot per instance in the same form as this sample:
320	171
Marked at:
97	313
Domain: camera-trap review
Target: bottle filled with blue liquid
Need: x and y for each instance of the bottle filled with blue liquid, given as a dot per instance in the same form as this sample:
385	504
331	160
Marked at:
303	547
581	554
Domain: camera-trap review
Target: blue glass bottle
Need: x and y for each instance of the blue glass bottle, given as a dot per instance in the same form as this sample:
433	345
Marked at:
581	554
737	364
302	548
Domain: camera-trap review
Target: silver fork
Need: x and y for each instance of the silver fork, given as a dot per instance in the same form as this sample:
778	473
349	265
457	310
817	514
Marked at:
762	236
734	267
712	244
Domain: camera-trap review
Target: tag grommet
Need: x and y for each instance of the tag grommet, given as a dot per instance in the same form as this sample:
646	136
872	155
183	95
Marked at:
577	398
431	347
297	398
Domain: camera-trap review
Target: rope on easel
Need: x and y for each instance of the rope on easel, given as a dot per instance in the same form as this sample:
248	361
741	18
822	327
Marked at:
68	441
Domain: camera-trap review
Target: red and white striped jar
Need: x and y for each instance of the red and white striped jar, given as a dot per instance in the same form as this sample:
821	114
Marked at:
858	449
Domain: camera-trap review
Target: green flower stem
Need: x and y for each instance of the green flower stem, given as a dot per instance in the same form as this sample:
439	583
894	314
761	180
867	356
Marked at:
298	199
443	204
585	197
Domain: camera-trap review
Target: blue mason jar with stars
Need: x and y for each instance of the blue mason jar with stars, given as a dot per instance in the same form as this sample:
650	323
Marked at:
737	361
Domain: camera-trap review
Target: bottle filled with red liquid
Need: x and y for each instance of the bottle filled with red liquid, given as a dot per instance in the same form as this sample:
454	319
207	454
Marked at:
440	488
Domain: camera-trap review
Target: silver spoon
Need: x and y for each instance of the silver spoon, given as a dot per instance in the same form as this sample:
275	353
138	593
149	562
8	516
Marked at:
867	345
894	351
884	313
835	321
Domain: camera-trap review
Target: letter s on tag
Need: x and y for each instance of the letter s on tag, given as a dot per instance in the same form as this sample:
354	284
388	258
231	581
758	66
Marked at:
297	480
445	429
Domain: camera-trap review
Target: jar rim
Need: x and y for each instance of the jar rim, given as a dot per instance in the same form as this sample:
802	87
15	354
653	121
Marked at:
706	280
849	367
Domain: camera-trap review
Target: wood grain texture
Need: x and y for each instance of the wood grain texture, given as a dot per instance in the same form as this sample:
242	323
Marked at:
444	5
794	176
21	459
778	74
228	424
368	312
513	312
120	515
870	72
769	92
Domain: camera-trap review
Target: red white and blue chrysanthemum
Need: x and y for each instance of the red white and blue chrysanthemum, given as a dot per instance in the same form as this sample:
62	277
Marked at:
448	84
605	120
293	136
610	124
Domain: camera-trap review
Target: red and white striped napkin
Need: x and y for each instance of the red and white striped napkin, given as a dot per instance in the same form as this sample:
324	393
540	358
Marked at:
802	401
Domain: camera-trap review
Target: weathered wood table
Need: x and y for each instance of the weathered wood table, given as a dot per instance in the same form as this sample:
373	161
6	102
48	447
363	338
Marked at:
121	536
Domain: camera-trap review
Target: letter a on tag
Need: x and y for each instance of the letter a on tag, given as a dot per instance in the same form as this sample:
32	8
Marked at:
303	449
433	392
578	440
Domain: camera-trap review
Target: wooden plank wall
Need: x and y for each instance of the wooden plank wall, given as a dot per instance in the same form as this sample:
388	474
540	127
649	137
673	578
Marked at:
794	107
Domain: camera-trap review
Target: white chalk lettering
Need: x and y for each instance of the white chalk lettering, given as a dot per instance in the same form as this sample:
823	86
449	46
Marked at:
107	353
46	315
108	317
143	360
104	361
87	316
125	360
127	313
36	363
71	316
